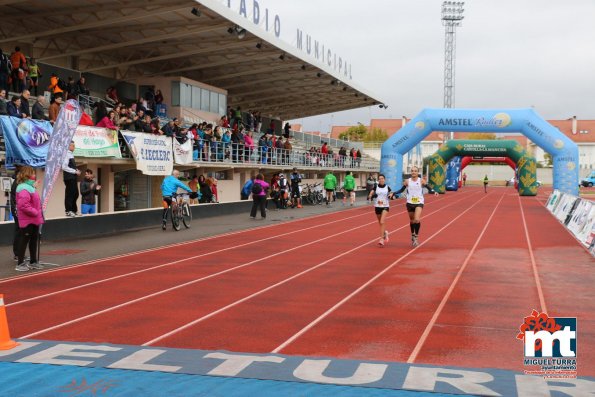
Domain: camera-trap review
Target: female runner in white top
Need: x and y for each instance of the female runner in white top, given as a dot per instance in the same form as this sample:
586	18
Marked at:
381	195
415	201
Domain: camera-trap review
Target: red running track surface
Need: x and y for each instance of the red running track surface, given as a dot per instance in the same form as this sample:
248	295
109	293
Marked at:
322	287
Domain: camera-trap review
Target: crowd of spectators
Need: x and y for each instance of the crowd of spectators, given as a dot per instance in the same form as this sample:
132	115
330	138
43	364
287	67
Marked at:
237	137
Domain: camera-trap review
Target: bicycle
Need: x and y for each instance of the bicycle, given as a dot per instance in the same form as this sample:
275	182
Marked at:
180	211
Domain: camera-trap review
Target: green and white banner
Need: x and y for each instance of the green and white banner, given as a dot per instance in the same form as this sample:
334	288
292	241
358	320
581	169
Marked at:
96	142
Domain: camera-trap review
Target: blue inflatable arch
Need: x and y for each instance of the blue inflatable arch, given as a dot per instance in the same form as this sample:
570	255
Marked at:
564	152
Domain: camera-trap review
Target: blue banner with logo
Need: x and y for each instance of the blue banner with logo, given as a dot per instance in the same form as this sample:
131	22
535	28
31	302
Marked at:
452	174
26	140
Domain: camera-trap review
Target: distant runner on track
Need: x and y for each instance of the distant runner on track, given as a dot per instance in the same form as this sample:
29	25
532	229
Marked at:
415	201
381	193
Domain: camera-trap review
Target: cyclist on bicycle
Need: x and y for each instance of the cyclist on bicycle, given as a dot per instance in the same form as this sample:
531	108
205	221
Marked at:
169	187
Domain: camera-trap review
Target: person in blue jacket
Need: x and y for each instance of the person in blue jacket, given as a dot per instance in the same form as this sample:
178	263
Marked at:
169	187
247	188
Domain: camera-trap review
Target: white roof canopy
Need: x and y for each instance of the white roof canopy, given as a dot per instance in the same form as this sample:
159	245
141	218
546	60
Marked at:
127	40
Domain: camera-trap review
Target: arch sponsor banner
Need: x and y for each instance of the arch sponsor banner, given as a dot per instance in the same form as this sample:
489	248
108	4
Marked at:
563	150
153	153
96	142
27	141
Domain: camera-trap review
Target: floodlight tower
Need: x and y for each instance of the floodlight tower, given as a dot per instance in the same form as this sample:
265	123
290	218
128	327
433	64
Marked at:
452	17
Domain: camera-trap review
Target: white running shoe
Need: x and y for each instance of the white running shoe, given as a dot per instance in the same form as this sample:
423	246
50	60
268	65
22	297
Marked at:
414	241
386	236
381	242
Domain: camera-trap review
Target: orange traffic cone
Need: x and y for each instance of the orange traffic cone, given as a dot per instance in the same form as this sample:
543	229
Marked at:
5	342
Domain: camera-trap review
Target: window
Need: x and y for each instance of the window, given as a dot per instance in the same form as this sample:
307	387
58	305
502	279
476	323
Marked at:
185	95
175	93
204	100
195	97
214	108
219	175
222	104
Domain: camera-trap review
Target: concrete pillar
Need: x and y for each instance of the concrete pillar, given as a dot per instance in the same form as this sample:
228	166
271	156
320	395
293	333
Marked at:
107	191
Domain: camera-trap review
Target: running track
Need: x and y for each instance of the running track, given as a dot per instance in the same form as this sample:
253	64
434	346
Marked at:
322	287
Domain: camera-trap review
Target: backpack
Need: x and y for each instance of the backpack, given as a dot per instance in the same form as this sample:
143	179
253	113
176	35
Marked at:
62	84
256	188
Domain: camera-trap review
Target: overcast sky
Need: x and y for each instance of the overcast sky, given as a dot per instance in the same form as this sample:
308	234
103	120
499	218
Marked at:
510	53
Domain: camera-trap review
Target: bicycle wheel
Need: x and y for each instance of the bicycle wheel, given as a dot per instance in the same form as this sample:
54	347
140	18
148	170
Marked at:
175	217
319	198
186	215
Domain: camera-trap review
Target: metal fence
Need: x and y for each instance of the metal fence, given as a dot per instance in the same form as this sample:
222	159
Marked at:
216	152
316	140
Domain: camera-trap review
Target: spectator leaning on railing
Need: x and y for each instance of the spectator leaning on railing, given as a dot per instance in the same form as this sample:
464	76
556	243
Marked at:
55	108
14	107
38	113
3	104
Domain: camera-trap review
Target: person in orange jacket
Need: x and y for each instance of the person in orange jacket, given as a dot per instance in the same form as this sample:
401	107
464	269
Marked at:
54	86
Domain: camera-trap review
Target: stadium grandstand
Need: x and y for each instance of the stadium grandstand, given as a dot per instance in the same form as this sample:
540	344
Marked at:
189	66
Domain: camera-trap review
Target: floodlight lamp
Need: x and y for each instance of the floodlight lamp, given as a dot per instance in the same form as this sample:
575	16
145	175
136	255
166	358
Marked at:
241	32
282	57
259	45
344	88
303	67
318	74
230	30
195	11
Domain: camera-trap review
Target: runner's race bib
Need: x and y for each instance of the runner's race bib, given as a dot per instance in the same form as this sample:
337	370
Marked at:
414	200
380	202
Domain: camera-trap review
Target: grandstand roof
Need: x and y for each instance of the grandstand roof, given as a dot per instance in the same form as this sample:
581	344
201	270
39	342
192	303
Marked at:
126	39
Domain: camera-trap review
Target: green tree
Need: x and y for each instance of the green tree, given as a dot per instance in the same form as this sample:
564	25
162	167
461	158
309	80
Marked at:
548	159
355	133
376	135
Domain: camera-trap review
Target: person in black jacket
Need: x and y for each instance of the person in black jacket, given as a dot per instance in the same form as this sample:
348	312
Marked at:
24	108
70	173
205	190
89	190
13	211
38	112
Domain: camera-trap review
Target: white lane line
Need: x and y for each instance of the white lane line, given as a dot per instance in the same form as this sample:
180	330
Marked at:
170	263
438	311
174	245
362	287
262	291
195	281
533	263
111	308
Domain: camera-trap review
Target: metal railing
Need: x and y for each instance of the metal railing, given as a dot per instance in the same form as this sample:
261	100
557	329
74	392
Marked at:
217	152
317	140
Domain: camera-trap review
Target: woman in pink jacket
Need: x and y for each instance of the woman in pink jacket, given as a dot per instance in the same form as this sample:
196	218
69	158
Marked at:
259	196
30	217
